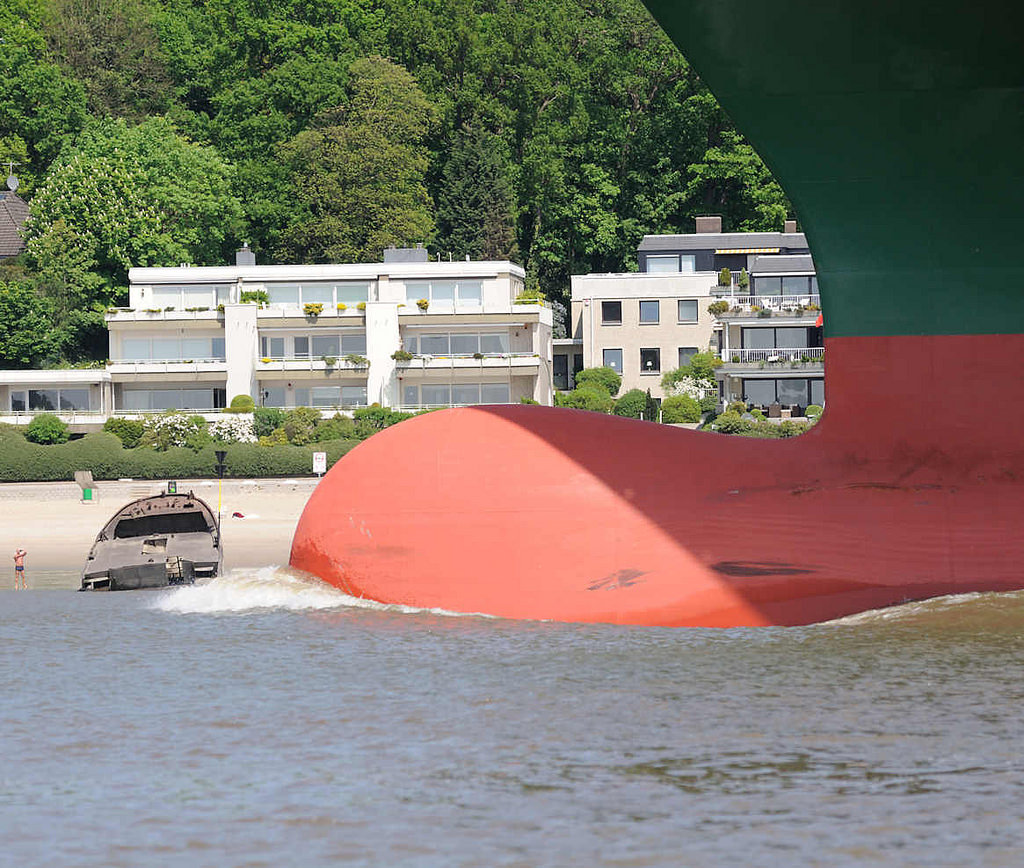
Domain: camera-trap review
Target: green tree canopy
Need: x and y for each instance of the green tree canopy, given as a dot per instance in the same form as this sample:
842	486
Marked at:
139	195
361	177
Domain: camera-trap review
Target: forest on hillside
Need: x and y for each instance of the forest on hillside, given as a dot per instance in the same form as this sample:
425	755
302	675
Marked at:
155	132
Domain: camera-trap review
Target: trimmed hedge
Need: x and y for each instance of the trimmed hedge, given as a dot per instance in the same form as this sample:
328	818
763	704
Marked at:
102	453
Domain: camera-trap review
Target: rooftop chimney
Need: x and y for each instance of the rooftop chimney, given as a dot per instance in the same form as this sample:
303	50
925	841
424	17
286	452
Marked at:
244	256
709	225
790	227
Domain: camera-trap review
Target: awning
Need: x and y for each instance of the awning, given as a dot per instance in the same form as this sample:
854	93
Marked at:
749	250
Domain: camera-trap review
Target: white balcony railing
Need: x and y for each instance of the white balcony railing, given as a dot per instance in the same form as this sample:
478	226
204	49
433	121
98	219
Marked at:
486	360
753	304
163	366
774	355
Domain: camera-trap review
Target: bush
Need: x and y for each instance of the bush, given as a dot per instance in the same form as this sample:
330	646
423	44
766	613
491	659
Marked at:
599	378
45	429
725	277
266	419
175	429
528	401
680	409
338	427
737	407
299	425
730	422
591	398
743	281
128	431
370	420
257	296
103	454
401	356
631	405
233	429
813	411
241	404
708	404
718	307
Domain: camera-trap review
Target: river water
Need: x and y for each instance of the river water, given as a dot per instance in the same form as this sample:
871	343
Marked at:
267	720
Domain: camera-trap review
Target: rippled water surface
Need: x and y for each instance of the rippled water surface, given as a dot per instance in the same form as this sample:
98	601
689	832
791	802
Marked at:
263	720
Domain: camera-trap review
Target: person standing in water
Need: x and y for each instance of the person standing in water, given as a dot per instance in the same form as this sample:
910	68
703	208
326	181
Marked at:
19	568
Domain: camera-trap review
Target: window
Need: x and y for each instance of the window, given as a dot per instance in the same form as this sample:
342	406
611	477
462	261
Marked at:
466	394
611	313
325	345
465	345
662	264
759	392
281	294
687	310
317	293
650	360
494	393
818	392
353	396
43	399
560	371
273	396
272	348
788	392
767	286
434	345
650	311
172	349
353	343
302	350
436	396
466	293
173	399
612	359
496	343
325	396
470	293
794	286
685	354
18	402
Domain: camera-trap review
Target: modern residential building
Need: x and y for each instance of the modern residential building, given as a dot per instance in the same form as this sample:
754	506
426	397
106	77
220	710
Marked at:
771	337
407	333
768	331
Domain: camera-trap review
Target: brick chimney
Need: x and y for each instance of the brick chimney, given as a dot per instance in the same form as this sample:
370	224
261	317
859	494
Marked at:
709	225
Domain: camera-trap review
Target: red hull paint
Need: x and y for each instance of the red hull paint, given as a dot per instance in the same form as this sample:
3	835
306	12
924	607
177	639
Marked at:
527	512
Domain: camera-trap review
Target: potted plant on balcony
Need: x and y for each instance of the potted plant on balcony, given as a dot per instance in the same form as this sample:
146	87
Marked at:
342	307
402	356
259	297
717	308
423	304
313	309
743	281
361	306
329	361
357	361
725	277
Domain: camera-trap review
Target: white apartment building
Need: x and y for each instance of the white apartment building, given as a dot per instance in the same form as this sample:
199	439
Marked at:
324	336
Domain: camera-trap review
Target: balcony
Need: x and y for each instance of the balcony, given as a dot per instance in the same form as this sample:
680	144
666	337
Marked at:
131	314
748	306
486	361
304	363
808	358
166	366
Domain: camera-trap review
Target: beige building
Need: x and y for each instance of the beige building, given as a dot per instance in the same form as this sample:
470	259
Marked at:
640	325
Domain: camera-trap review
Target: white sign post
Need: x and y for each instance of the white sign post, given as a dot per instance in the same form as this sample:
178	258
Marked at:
319	463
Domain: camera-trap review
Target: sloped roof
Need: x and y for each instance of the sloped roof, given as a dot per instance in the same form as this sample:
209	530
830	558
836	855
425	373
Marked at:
13	213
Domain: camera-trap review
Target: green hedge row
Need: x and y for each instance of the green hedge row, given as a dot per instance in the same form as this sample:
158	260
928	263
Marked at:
103	454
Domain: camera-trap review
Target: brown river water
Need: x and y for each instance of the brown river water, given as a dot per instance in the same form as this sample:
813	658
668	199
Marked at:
264	719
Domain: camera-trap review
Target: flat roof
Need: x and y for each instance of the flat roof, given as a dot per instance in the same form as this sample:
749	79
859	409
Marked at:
341	271
721	241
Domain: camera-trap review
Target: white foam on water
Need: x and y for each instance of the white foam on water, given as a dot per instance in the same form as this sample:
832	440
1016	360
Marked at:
274	587
929	607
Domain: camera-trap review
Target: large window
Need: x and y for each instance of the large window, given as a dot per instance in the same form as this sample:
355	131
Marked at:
772	338
670	264
611	313
797	391
455	394
327	293
612	359
457	343
62	399
650	311
173	399
184	296
687	310
172	349
323	397
317	344
650	360
446	293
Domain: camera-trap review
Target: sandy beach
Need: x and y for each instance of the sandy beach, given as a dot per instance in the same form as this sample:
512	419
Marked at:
50	521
